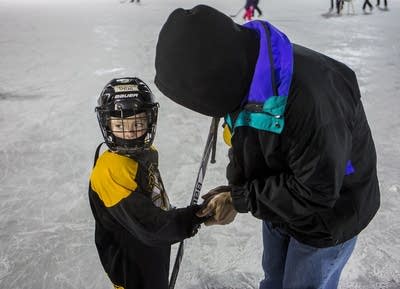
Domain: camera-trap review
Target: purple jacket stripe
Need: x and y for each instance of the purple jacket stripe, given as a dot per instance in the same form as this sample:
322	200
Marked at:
261	87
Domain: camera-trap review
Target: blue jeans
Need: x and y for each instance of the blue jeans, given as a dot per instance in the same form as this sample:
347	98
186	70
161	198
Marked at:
289	264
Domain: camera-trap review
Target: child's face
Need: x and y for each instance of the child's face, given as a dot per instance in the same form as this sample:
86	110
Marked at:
131	127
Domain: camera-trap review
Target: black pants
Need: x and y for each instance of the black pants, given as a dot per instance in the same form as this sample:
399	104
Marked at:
339	5
259	10
332	5
378	2
137	266
366	2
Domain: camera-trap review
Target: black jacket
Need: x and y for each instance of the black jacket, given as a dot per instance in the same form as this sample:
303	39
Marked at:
300	180
135	223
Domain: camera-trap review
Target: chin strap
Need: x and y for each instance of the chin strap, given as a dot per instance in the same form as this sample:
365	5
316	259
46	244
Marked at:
96	155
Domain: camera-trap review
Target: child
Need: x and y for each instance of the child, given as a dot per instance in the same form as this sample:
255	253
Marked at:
248	13
366	2
135	224
249	7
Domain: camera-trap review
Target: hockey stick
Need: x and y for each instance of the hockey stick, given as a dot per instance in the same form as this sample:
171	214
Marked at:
237	13
214	141
210	146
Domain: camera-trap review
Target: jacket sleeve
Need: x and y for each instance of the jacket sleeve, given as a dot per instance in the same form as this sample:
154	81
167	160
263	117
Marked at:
152	225
311	183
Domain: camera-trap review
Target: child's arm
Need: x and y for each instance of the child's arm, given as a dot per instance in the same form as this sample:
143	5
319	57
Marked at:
152	225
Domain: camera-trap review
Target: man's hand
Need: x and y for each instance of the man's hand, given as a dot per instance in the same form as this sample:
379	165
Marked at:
218	205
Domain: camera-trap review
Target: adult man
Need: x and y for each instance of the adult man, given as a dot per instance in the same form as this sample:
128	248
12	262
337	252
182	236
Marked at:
302	156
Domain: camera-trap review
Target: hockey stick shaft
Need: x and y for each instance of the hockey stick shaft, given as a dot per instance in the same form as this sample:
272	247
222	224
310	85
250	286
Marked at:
237	13
214	142
196	193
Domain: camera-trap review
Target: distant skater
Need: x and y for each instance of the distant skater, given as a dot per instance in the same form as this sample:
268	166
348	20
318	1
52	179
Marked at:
366	2
378	2
249	8
339	6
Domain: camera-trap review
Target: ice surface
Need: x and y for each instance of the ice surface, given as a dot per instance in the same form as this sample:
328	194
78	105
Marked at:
55	56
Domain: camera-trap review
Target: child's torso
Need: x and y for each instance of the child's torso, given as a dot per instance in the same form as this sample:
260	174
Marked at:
116	176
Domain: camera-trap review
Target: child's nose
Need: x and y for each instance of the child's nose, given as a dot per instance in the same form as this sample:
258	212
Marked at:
130	134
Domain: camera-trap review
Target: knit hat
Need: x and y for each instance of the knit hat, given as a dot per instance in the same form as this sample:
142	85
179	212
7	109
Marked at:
205	61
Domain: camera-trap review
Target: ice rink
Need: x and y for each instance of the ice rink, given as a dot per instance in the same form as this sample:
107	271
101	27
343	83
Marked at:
56	56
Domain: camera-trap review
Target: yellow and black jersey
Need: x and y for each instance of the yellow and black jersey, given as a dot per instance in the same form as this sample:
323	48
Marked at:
115	177
131	194
135	223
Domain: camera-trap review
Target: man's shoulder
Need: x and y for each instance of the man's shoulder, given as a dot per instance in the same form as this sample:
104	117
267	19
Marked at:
309	61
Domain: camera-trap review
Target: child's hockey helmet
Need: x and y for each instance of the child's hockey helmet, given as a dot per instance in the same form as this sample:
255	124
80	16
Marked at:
122	98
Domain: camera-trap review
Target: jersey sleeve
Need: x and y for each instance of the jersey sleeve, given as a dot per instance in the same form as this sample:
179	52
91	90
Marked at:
152	225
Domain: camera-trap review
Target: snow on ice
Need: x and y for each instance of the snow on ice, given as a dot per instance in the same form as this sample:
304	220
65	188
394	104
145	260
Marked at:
55	58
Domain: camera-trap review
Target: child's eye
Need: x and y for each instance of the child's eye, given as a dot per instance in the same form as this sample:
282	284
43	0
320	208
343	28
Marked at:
140	124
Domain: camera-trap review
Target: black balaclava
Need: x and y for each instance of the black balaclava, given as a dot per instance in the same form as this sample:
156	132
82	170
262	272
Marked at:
205	61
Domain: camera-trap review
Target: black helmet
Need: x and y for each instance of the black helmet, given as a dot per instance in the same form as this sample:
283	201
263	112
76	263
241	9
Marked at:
127	115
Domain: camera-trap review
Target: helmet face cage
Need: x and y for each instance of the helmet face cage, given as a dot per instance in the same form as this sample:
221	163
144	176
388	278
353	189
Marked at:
127	119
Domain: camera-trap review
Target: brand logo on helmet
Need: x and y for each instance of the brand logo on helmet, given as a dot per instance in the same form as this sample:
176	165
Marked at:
126	95
126	88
